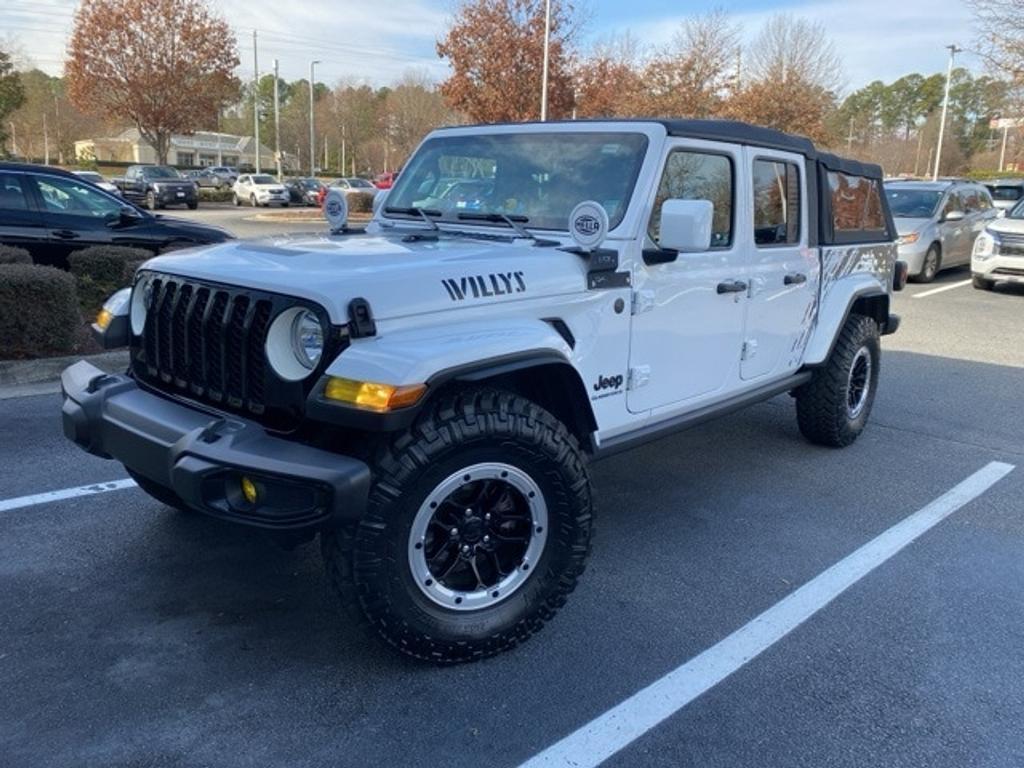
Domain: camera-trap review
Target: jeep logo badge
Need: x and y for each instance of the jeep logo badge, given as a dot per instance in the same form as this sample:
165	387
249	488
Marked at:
588	225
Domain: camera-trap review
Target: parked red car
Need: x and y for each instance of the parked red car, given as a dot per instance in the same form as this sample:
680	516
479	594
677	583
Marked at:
386	180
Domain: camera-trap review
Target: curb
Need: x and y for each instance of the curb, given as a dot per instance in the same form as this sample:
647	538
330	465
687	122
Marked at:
19	373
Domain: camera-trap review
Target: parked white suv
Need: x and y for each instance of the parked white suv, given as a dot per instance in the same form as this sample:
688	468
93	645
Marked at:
260	189
429	395
999	252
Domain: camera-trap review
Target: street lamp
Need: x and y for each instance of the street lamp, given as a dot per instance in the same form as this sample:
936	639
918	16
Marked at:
312	134
547	55
953	51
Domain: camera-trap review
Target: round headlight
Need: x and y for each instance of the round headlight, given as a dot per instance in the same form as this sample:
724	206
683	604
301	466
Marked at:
307	339
142	299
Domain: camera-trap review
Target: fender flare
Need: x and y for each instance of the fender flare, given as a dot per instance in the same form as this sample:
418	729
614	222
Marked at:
868	298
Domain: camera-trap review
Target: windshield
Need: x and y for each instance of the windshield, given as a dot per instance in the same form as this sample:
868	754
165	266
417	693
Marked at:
538	176
263	180
913	203
1006	194
310	183
160	173
360	184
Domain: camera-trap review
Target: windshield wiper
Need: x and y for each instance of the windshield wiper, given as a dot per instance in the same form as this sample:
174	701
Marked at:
514	222
423	213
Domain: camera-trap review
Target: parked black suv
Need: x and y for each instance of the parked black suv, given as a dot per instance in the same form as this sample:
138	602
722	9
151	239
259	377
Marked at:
157	186
51	213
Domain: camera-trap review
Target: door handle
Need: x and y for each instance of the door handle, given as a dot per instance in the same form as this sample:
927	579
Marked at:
65	234
795	279
732	286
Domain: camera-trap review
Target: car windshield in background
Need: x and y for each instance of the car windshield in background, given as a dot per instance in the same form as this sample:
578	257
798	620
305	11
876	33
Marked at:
161	173
264	180
309	183
539	176
360	184
913	203
1006	194
89	176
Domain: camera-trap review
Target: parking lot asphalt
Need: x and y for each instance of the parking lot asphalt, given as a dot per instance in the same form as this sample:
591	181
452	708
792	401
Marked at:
132	635
242	221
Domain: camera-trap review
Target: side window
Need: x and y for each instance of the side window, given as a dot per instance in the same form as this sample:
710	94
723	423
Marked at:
953	203
13	195
697	176
856	204
776	203
971	202
68	197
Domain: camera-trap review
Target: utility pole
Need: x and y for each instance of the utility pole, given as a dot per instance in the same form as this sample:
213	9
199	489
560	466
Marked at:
46	142
256	98
547	57
277	120
14	139
953	51
342	149
849	139
312	135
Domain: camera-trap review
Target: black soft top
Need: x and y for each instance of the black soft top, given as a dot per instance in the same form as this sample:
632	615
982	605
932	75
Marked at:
755	136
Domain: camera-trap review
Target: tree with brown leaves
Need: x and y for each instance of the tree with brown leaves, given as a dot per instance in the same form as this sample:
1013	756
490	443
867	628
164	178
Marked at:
496	51
165	65
608	80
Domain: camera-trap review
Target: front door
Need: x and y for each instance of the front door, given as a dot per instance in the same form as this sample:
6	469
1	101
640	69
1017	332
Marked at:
75	215
783	272
688	314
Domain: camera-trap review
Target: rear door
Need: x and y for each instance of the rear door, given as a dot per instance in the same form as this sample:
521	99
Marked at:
783	269
20	222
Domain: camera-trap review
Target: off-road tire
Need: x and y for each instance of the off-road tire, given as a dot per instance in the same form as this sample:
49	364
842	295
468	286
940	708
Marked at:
983	284
822	405
931	266
165	496
368	564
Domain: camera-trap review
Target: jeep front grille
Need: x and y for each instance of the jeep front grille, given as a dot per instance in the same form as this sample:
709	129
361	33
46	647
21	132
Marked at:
205	341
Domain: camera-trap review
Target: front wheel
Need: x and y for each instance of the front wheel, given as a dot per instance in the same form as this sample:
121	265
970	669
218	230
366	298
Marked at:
252	201
930	266
151	201
238	202
478	527
833	407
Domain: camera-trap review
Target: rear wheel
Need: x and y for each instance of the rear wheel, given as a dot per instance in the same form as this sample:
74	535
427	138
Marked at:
833	407
478	527
982	284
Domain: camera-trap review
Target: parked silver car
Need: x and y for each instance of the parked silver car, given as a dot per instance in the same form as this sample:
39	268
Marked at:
938	222
1006	193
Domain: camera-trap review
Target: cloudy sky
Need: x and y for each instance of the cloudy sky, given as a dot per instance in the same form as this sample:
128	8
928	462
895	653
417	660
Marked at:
377	41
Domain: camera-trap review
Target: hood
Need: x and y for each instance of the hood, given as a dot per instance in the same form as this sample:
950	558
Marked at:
906	226
207	233
398	278
1007	227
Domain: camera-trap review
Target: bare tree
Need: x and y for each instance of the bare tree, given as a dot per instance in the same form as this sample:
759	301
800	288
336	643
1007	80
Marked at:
1000	40
165	65
791	48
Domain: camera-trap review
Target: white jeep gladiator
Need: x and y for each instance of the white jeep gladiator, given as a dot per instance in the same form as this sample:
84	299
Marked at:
429	394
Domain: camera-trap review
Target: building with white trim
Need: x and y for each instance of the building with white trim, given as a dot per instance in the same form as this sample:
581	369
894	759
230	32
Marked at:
200	149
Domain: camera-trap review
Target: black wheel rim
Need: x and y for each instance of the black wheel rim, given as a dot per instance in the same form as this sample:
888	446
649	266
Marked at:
477	535
859	384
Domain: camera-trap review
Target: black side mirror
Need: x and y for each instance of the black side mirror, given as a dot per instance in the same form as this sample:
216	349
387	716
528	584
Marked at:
128	216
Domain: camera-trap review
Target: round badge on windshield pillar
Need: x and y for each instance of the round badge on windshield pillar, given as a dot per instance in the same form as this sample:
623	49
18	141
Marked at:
336	209
588	225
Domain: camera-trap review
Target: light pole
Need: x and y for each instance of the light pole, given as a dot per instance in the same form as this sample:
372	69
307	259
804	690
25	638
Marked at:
547	56
953	51
256	98
312	135
277	121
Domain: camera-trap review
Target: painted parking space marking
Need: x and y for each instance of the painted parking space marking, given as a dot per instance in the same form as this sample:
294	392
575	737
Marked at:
943	289
612	731
67	493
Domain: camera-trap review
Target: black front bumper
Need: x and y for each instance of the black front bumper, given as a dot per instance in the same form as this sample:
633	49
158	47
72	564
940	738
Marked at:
202	456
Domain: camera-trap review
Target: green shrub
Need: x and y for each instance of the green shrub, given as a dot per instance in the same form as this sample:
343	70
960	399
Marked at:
361	202
211	195
102	270
38	311
9	254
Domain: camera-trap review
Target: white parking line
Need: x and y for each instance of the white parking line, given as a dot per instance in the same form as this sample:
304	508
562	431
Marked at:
602	737
67	493
943	289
